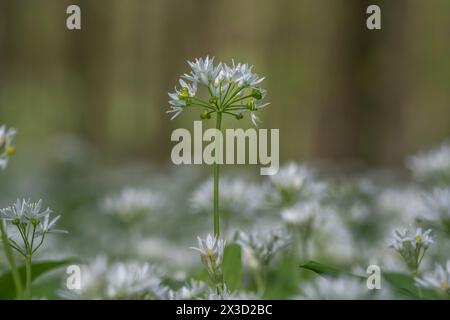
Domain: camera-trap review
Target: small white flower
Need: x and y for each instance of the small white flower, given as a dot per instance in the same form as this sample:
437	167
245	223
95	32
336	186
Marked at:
211	253
302	214
263	245
141	280
120	280
30	223
411	245
295	182
432	165
132	203
238	197
192	290
6	147
438	280
291	177
437	205
402	205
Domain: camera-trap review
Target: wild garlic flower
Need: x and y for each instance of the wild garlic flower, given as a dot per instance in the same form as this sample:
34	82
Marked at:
134	280
296	182
437	206
240	198
31	225
192	290
403	205
132	203
327	288
211	253
120	280
302	215
411	245
263	245
432	165
6	148
232	90
438	280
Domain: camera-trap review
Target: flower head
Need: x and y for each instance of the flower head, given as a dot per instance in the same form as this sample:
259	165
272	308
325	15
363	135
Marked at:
411	245
132	203
263	245
192	290
31	224
432	165
437	205
301	215
211	253
241	197
232	90
6	148
437	280
134	279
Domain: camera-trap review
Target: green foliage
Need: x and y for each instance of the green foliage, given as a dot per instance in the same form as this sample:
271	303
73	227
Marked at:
232	266
7	290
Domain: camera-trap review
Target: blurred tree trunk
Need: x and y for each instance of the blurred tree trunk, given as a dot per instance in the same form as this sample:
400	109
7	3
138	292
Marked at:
89	57
360	118
6	39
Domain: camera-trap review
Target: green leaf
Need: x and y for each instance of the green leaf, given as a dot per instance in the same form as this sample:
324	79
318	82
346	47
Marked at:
283	280
7	289
326	270
232	266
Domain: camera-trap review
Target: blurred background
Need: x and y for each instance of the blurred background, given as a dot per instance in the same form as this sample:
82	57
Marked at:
90	108
339	92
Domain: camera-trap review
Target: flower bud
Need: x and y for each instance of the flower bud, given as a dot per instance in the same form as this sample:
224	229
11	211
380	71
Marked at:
205	115
256	93
239	116
250	105
10	150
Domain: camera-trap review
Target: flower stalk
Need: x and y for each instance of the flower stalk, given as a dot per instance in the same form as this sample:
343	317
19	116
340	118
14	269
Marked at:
10	257
216	182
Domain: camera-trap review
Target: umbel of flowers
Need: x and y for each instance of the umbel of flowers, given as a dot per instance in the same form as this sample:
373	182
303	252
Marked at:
25	225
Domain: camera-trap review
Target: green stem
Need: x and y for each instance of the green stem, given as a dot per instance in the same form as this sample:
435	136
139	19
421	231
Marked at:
216	181
10	257
28	276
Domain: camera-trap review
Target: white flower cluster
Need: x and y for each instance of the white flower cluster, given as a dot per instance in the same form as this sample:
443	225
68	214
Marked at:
25	222
262	245
239	198
432	165
438	280
6	147
303	215
192	290
120	280
211	253
294	182
230	90
437	205
132	203
411	245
